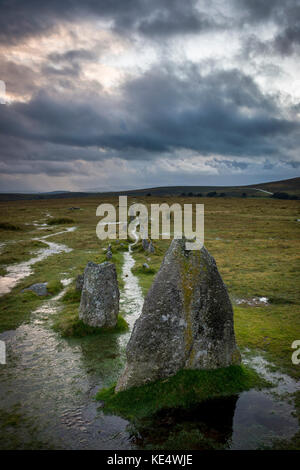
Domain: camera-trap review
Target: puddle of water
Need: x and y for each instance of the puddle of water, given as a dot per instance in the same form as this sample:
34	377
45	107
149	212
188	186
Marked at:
19	271
255	301
53	381
247	421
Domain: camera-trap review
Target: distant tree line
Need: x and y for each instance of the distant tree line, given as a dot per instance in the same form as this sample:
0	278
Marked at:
210	194
278	195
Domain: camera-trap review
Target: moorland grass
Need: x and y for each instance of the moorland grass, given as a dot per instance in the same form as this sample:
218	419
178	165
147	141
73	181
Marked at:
255	243
60	221
22	250
54	286
67	323
9	226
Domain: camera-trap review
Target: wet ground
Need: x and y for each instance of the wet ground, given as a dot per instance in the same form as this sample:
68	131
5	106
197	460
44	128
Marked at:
19	271
49	383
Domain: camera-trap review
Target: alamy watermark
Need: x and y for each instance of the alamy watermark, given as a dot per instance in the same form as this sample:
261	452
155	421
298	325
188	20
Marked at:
2	352
3	99
139	217
296	354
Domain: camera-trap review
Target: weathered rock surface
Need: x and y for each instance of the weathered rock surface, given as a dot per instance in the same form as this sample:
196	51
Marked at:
79	282
99	304
186	321
39	288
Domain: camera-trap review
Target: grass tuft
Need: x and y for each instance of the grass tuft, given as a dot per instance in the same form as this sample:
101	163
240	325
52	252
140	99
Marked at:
143	270
54	287
8	226
183	390
60	221
69	325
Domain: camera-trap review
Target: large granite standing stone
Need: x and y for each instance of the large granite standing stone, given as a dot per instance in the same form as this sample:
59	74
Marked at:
99	304
186	321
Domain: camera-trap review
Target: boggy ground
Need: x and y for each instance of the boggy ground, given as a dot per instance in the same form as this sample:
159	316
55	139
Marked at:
255	243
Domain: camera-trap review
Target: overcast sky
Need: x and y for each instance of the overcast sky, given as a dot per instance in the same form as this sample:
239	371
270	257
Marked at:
120	94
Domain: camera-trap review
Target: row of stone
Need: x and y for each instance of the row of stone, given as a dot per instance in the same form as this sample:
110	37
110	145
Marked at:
186	321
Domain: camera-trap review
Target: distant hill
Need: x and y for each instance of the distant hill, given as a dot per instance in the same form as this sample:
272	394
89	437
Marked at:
290	186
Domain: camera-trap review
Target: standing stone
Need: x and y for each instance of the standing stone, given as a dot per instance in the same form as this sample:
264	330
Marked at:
186	321
151	248
99	304
145	244
79	282
148	245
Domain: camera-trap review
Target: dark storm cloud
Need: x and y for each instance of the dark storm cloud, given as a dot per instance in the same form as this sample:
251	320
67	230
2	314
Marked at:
261	11
165	108
287	42
222	113
19	18
284	14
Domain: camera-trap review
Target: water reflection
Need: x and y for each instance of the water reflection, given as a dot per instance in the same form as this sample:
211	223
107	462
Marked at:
207	425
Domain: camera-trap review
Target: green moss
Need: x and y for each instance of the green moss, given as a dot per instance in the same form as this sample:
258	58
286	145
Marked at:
189	272
185	389
142	270
68	324
54	287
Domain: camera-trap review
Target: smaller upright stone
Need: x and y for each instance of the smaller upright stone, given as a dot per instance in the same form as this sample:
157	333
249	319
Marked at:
109	252
79	282
148	245
151	248
145	244
99	304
